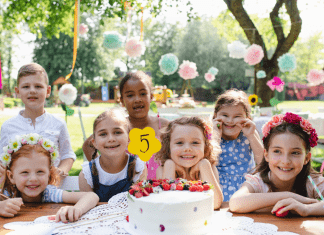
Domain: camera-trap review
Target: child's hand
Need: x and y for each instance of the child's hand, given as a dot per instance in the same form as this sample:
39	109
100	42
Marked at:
248	127
196	169
289	204
302	199
68	214
181	170
10	207
2	169
60	172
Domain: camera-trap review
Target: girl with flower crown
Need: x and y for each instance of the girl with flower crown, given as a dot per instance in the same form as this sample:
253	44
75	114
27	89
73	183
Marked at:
285	180
188	152
31	176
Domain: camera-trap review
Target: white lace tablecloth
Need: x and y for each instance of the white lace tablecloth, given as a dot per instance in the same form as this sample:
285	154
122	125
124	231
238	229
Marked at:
110	219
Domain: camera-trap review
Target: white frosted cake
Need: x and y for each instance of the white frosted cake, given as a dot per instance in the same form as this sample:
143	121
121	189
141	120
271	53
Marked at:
171	212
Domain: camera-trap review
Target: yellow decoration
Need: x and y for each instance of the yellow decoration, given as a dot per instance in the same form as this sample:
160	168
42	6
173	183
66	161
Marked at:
143	143
75	39
253	99
205	222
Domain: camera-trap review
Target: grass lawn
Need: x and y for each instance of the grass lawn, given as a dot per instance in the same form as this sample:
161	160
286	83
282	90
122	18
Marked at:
90	113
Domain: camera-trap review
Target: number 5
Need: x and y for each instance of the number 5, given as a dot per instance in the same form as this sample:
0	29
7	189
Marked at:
148	145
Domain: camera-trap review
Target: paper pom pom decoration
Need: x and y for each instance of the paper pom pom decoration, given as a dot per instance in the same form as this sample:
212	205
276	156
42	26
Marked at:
209	77
68	94
276	83
287	63
188	70
112	40
237	49
315	77
169	64
134	47
254	54
213	71
83	29
261	74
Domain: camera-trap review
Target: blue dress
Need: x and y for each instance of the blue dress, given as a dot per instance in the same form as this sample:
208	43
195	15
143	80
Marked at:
235	161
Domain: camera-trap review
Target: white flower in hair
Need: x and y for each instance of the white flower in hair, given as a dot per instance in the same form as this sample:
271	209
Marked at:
5	158
15	144
6	149
48	145
32	138
54	155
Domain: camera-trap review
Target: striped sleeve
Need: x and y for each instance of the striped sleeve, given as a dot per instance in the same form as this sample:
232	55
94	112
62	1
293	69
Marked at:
53	194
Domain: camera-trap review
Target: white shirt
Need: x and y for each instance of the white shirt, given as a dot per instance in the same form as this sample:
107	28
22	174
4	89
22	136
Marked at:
46	125
106	178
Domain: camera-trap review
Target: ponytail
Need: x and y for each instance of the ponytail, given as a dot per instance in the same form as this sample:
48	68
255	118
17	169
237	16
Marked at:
94	170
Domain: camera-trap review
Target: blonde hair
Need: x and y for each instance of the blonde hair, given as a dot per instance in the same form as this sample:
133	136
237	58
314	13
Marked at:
211	151
26	151
233	97
31	69
119	115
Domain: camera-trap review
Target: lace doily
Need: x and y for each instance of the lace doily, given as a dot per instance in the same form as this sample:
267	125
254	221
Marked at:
109	219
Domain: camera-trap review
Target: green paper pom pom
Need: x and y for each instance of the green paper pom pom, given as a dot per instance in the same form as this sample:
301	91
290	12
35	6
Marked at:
213	71
169	64
112	40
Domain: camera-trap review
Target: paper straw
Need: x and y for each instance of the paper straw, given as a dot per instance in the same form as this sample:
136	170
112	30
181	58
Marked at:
317	190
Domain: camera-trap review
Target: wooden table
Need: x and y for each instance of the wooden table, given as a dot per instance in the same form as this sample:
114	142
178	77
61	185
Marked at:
296	224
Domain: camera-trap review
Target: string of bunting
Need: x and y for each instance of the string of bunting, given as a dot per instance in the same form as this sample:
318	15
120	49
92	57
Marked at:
142	24
75	39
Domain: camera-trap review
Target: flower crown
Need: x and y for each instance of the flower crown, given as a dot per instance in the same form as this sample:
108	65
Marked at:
293	119
31	139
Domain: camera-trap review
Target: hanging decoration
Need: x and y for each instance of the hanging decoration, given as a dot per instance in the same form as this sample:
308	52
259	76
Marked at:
188	70
134	47
67	95
129	9
169	64
0	73
142	25
209	77
83	29
213	71
112	40
237	49
287	62
276	84
254	54
315	77
75	38
261	74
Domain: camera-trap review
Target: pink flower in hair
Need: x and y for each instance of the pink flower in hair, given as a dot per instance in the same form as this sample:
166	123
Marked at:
306	126
292	118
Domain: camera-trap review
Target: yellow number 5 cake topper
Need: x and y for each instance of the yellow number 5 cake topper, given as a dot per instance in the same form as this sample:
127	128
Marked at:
143	143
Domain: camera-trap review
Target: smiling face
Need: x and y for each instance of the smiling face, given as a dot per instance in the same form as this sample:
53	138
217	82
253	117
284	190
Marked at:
33	90
111	137
286	157
187	145
30	174
231	117
136	97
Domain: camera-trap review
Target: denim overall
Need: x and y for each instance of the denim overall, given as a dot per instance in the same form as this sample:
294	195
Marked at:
105	192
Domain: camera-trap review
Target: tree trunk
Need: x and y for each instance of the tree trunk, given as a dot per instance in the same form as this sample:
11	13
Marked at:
270	66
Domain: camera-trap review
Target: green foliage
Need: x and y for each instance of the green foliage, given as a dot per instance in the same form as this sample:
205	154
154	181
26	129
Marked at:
153	107
207	49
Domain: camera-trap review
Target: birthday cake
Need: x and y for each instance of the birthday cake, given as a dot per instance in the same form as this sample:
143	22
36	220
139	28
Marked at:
170	207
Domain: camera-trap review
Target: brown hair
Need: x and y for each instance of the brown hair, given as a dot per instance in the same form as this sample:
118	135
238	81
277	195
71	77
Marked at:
140	75
119	115
211	152
299	186
31	69
233	97
27	151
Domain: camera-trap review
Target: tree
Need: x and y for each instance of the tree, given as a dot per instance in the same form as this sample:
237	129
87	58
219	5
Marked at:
284	42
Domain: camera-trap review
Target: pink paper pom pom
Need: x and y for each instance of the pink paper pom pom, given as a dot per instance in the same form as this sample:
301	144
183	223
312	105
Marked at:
83	29
315	77
134	47
254	54
209	77
188	70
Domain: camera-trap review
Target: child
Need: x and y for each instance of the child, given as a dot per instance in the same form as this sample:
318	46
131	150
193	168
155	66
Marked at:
187	152
114	171
33	89
136	96
281	180
239	139
30	173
